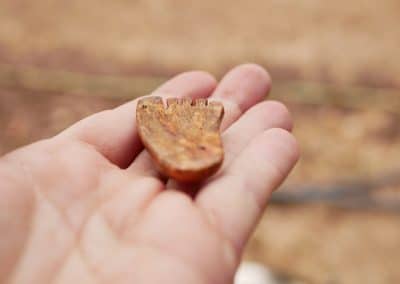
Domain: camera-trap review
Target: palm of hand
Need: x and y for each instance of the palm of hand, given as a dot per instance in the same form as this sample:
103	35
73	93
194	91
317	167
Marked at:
77	209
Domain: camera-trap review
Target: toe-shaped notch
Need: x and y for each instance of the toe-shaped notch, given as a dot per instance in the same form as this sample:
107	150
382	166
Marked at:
200	102
147	102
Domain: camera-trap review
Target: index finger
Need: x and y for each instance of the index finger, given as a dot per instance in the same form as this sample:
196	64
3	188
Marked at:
113	132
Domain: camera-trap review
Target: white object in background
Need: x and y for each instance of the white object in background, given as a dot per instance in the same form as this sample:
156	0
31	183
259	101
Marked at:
254	273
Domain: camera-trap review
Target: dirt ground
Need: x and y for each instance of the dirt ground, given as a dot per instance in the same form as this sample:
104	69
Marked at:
343	41
335	65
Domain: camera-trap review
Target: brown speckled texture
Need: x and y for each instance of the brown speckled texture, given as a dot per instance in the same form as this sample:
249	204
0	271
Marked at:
182	137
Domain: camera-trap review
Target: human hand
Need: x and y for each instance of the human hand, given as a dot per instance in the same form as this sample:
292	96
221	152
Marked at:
87	206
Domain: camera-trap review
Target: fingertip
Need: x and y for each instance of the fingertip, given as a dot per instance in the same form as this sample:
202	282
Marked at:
276	112
246	85
192	83
284	141
256	71
204	76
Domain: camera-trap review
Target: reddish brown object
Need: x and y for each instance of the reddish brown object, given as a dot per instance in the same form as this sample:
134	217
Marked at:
183	137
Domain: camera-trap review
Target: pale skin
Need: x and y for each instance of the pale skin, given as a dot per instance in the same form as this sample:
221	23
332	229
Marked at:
87	206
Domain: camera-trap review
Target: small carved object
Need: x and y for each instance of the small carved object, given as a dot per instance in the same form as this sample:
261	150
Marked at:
183	137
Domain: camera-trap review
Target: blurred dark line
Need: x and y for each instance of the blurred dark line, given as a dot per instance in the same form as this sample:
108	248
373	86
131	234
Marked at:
347	195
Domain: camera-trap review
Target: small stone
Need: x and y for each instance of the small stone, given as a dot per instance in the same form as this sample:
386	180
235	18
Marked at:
182	137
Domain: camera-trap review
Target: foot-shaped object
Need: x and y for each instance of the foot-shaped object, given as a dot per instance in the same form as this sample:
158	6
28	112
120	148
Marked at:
183	137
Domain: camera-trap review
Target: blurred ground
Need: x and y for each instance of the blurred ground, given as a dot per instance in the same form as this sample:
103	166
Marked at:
347	41
335	64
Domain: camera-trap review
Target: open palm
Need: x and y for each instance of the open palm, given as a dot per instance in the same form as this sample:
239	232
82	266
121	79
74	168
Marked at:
87	206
